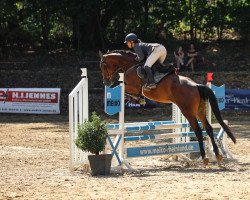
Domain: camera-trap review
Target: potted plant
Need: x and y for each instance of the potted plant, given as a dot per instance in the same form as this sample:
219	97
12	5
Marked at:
92	138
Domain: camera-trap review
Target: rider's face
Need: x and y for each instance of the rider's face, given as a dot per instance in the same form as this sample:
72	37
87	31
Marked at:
130	44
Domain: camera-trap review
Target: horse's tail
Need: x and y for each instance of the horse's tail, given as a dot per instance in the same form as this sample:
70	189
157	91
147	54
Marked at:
207	93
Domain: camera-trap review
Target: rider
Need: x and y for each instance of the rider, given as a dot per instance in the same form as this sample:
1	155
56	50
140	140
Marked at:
149	51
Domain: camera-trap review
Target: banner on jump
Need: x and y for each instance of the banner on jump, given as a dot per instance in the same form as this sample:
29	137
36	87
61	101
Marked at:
113	100
237	99
220	95
30	100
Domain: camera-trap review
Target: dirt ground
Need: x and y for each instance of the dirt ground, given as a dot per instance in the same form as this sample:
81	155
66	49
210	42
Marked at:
34	156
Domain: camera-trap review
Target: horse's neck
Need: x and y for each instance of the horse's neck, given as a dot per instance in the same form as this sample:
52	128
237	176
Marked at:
121	61
128	63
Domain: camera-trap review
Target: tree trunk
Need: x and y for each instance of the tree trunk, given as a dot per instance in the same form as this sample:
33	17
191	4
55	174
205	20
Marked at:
75	28
145	23
221	31
45	16
89	35
191	20
100	30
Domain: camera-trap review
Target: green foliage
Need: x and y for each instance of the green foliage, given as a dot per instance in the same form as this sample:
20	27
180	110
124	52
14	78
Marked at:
241	19
92	135
91	24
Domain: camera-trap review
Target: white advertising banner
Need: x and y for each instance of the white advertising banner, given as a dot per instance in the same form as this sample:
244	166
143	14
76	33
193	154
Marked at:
30	100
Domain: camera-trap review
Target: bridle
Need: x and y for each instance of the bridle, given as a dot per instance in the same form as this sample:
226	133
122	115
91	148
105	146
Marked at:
115	76
109	76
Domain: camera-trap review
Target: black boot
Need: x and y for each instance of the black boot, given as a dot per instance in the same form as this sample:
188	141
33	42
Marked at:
151	82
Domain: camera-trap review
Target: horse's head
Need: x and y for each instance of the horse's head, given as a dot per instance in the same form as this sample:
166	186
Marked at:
109	68
113	63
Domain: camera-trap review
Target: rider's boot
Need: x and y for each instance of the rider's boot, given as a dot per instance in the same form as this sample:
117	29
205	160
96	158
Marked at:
163	65
151	82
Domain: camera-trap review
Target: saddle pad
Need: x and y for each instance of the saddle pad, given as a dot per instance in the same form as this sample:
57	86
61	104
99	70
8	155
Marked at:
158	76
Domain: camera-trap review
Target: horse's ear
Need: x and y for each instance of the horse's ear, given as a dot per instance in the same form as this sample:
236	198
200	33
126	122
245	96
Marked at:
100	54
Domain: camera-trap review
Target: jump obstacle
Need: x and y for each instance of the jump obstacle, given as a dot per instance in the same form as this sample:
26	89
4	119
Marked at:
178	132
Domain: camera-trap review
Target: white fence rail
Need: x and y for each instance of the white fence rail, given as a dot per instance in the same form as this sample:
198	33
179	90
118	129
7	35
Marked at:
78	113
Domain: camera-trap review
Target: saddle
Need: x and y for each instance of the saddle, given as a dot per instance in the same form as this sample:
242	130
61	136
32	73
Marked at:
158	70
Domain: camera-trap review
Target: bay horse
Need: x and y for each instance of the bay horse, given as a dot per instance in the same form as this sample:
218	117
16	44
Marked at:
189	96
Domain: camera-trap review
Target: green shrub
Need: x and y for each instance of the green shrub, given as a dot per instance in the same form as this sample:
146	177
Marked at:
92	135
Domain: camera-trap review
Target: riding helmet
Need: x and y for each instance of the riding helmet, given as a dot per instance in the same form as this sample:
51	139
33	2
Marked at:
131	37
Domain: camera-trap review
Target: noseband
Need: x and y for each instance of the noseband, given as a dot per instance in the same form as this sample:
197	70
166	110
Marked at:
112	76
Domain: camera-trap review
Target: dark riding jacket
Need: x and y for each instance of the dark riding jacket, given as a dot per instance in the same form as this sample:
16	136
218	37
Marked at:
143	50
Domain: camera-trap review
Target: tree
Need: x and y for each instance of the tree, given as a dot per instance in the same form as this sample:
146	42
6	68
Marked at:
99	24
241	18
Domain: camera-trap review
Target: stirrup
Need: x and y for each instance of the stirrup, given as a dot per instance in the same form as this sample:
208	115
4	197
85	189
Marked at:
142	101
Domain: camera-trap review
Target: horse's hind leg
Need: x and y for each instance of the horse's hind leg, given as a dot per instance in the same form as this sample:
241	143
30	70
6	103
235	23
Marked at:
198	132
209	130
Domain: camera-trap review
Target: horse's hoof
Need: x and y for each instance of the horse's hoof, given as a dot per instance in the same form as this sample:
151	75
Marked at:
206	161
219	159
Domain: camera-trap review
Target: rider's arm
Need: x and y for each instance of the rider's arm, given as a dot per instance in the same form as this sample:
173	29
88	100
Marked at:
140	56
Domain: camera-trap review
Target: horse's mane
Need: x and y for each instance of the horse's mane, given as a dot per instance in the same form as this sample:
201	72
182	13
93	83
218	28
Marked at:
121	52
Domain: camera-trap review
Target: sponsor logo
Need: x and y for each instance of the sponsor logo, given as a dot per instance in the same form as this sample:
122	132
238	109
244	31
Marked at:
4	95
22	96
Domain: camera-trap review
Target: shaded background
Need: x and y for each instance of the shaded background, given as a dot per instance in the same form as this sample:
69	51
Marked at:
44	43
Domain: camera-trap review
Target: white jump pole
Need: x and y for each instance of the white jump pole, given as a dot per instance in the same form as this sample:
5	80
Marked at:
121	118
121	124
209	117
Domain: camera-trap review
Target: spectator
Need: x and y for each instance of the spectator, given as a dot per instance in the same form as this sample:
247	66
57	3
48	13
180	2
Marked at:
192	57
180	57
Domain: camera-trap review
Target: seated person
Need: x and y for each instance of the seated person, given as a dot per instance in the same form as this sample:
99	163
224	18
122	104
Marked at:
179	56
192	57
